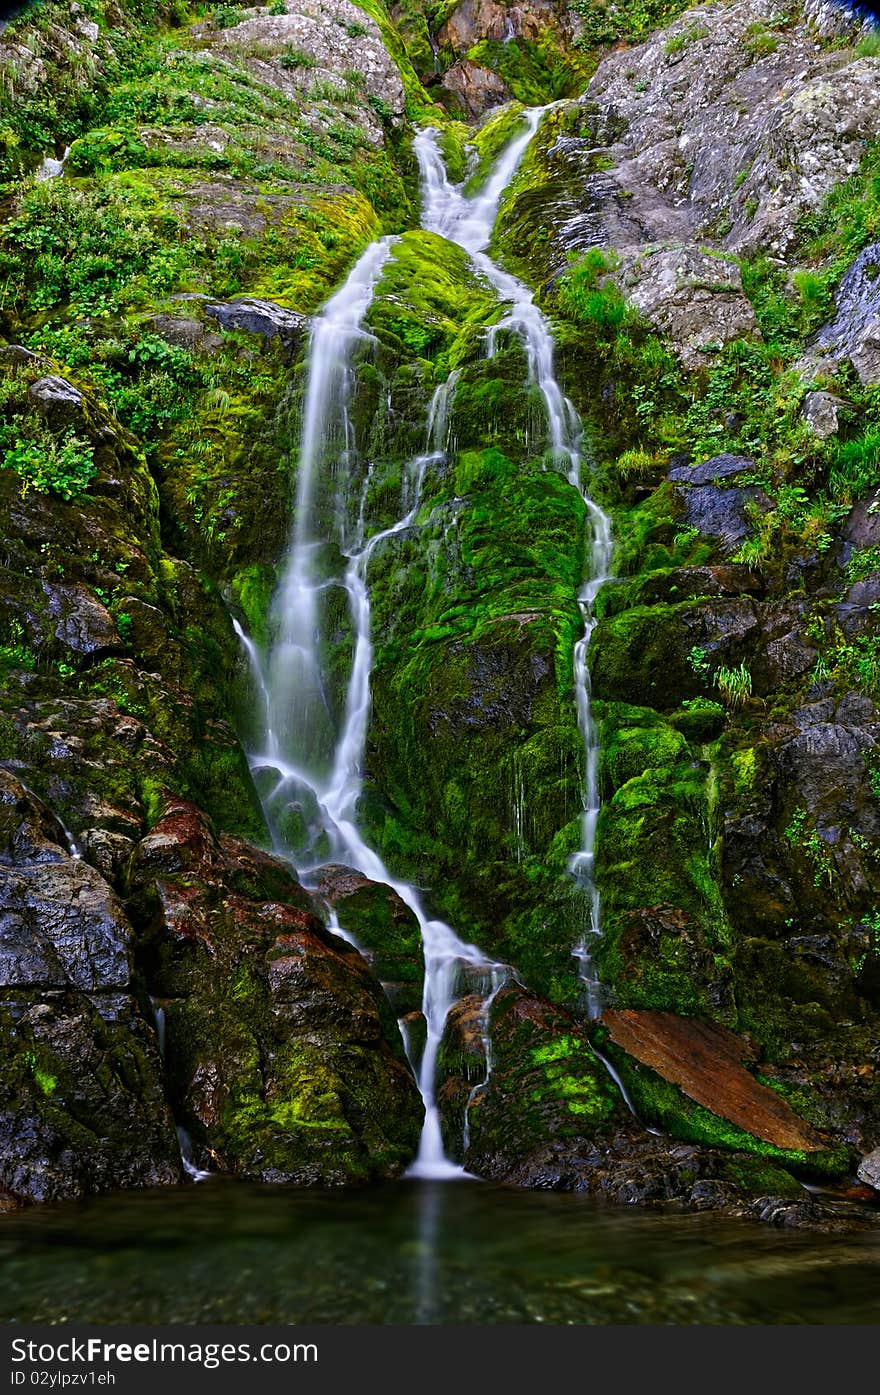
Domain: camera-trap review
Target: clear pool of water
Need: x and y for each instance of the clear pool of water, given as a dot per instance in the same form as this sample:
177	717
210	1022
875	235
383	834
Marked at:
415	1253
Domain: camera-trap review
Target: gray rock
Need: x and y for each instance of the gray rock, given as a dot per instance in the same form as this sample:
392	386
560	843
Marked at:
82	623
856	610
109	852
721	513
720	132
56	398
29	831
862	528
696	300
868	1170
854	333
262	317
742	142
339	38
720	467
185	333
821	410
17	353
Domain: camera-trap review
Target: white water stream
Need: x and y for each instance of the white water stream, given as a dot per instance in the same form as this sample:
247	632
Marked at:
304	762
470	222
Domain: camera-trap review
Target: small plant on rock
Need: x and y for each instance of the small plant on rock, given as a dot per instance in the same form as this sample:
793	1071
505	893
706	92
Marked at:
734	685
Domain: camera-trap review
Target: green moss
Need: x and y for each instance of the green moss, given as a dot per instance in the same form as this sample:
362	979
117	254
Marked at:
535	70
758	1176
489	140
429	300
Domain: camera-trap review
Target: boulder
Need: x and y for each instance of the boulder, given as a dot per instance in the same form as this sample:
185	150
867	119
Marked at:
854	333
385	929
285	1061
543	1082
56	398
695	300
80	621
261	317
868	1169
821	412
478	89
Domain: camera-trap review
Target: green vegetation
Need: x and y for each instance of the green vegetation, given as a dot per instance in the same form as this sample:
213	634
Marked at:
631	21
50	464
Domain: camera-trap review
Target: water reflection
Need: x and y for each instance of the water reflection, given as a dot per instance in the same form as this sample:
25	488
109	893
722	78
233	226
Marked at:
419	1253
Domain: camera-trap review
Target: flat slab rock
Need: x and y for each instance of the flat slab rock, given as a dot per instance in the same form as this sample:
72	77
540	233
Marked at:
706	1062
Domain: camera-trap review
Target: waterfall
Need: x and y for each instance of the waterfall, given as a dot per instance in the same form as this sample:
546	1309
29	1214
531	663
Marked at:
469	222
291	681
312	763
52	168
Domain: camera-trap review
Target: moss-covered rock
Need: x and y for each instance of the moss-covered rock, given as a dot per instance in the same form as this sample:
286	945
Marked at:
543	1082
283	1056
383	927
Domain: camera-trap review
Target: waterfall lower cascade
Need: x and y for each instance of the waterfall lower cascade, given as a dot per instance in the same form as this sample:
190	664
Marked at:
304	768
311	762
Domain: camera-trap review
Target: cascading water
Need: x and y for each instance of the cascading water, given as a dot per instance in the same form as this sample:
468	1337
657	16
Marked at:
314	766
469	222
291	683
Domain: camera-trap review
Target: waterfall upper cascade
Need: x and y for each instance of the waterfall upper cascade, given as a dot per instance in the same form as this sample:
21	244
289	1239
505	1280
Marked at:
306	758
469	222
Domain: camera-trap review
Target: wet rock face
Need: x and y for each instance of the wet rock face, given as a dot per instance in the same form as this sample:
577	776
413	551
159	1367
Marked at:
82	1107
545	1082
283	1056
854	333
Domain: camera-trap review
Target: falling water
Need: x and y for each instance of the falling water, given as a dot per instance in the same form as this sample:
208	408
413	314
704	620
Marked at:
291	683
52	168
314	766
500	976
469	222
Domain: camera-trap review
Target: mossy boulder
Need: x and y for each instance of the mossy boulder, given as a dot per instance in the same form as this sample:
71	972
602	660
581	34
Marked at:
544	1082
284	1059
385	929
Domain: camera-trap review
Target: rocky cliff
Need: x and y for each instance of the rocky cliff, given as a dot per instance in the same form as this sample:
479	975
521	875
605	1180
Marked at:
698	215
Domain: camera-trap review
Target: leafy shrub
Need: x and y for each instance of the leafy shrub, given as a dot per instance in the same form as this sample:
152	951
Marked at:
49	464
